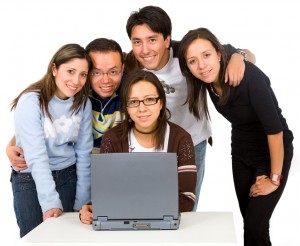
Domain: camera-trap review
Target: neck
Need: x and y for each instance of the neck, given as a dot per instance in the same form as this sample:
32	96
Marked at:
145	139
142	132
216	89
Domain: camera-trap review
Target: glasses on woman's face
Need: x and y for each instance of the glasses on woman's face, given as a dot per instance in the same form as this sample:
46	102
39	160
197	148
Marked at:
96	73
133	103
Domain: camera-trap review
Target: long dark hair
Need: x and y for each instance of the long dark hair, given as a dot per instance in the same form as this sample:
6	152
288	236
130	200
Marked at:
46	86
196	87
133	78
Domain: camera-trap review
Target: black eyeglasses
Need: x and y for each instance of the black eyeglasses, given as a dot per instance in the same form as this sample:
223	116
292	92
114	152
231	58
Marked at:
96	73
147	102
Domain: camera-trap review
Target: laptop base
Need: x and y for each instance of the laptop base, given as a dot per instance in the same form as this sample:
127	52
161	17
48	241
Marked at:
168	223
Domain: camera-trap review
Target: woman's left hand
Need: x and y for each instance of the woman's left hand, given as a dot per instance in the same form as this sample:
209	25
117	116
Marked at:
54	212
263	186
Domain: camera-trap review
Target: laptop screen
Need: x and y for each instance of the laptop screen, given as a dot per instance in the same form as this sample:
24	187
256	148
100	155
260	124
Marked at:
136	187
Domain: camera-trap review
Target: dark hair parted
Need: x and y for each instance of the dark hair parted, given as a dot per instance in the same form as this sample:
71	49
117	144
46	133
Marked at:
134	78
46	86
155	17
104	45
196	87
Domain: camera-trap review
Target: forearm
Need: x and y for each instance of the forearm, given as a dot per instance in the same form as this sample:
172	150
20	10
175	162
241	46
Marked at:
12	142
15	155
276	149
231	50
250	56
187	176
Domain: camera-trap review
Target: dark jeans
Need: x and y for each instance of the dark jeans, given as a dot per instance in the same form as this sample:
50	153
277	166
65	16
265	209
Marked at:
26	205
256	211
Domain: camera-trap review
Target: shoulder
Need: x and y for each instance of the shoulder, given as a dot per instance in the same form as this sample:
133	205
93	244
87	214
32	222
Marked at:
114	133
29	100
28	109
253	73
175	127
88	106
177	131
31	96
112	141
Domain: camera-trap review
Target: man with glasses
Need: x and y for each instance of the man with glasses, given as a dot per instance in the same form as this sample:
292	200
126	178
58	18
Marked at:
105	77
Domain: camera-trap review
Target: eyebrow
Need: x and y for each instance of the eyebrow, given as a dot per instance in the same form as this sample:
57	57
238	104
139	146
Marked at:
145	96
150	37
72	68
108	69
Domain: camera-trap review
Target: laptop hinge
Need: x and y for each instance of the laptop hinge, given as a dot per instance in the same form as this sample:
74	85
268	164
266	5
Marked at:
168	217
174	223
97	222
102	218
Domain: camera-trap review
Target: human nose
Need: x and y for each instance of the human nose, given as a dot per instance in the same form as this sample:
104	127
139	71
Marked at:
201	63
105	77
145	48
77	79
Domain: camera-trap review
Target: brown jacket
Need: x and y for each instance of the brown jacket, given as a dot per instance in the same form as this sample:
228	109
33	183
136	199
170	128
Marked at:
180	142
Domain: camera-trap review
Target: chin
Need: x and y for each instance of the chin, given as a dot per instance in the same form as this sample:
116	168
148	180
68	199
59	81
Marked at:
149	65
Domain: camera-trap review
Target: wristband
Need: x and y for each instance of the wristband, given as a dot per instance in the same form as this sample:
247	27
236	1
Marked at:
243	53
275	177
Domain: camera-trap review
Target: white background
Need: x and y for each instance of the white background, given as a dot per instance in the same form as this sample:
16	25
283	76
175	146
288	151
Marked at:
32	31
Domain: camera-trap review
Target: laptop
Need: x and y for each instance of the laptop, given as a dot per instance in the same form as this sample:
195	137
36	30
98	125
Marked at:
135	191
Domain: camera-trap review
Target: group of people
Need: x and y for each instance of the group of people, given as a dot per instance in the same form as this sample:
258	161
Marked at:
102	100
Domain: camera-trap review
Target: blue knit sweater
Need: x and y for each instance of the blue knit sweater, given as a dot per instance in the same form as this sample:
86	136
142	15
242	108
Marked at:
55	145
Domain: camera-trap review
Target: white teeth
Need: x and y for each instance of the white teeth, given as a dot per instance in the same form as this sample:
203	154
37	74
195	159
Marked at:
147	58
72	87
106	88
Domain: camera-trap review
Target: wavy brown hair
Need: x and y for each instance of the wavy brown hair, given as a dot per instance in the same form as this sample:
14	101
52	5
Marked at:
46	86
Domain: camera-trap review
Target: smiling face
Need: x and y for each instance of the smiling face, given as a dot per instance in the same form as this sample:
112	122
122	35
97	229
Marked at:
145	117
107	72
203	60
70	77
150	48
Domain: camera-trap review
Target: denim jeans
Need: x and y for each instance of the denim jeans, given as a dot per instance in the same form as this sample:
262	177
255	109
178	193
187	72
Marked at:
200	151
26	205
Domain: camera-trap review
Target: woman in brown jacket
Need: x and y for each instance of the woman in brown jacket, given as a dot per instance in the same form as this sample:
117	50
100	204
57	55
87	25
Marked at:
146	129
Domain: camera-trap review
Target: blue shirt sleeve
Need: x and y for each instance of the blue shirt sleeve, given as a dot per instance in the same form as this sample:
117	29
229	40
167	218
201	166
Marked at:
83	148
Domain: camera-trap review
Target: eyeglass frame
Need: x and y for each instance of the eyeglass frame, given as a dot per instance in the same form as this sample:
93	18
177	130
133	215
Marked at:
101	73
139	102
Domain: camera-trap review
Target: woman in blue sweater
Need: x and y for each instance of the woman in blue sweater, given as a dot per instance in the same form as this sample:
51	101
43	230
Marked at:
53	120
261	141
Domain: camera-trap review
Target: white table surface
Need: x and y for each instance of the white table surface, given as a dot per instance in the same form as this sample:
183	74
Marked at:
196	228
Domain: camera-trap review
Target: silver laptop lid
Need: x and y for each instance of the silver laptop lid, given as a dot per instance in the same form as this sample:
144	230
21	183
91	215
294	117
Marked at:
135	186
